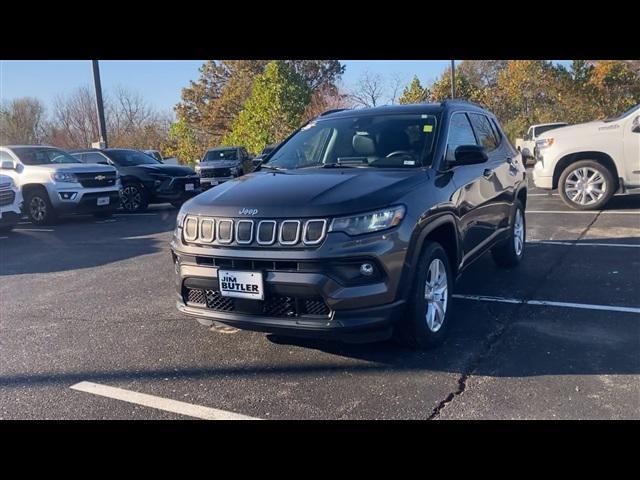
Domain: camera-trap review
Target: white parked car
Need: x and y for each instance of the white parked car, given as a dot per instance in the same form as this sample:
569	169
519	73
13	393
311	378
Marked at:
526	146
10	203
590	162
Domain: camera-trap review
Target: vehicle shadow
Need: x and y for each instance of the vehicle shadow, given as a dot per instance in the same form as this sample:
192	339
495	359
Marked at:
84	242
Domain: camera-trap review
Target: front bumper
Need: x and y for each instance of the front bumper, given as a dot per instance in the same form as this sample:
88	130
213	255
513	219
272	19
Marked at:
173	189
542	178
208	182
67	198
354	310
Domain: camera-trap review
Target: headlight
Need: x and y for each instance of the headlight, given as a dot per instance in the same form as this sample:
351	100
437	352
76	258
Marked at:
544	142
368	222
180	218
65	177
197	168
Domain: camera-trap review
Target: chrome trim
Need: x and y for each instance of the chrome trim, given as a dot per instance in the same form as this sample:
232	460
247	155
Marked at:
213	230
282	224
238	222
221	240
273	237
184	228
306	226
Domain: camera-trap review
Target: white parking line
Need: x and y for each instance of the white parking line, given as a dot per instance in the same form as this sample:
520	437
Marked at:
583	244
543	194
33	230
592	212
159	403
586	306
2	238
135	214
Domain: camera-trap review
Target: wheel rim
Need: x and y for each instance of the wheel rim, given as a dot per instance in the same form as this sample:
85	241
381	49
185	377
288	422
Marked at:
435	293
585	186
131	198
518	232
38	209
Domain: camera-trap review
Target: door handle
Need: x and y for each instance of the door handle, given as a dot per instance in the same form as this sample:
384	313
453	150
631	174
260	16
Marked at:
487	173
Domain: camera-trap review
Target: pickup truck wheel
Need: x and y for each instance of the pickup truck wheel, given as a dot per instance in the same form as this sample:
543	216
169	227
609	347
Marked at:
510	252
428	320
39	208
586	185
133	198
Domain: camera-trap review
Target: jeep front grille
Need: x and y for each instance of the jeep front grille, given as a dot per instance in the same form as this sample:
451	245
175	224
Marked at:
273	306
249	232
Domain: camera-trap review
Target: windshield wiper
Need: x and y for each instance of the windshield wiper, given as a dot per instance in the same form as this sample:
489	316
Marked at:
336	165
271	167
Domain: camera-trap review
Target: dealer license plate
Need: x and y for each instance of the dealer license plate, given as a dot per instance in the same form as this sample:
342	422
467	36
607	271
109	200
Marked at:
241	284
103	200
188	186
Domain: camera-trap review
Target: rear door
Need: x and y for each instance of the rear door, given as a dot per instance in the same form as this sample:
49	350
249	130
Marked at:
631	140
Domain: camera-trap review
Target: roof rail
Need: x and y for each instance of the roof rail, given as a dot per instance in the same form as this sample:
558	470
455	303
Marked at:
335	110
461	100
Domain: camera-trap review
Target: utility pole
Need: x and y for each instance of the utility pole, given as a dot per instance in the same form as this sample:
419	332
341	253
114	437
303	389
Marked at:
99	104
453	79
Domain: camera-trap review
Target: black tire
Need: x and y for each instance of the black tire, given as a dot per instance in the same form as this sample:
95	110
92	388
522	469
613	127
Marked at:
608	185
413	331
39	208
133	198
510	252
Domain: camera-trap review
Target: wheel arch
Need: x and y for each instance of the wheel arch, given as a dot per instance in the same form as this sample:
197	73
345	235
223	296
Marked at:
600	157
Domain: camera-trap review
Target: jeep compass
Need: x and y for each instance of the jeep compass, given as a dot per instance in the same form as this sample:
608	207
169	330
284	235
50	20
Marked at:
356	226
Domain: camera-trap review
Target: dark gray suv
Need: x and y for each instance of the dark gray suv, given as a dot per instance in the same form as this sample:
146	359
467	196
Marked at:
356	227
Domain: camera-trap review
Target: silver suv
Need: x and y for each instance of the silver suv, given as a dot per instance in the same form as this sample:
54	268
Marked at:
53	182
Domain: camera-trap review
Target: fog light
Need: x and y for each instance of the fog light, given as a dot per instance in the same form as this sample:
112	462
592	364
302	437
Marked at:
68	195
366	269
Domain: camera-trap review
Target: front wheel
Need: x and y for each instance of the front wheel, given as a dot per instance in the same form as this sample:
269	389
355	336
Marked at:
586	185
133	198
39	208
510	252
428	320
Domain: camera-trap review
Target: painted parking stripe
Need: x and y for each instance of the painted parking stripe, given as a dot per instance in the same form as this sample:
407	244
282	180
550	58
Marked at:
543	194
587	212
135	214
2	238
159	403
33	230
585	306
583	244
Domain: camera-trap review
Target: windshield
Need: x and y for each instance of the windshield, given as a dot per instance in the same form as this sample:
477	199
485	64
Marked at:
226	154
155	154
546	128
43	156
628	112
130	158
383	141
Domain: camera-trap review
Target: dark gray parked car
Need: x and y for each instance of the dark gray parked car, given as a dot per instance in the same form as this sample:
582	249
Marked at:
356	227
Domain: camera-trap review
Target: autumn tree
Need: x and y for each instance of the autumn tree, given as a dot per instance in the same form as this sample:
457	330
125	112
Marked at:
22	121
182	143
275	108
414	93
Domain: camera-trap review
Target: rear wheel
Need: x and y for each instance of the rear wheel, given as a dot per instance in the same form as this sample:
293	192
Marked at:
133	198
586	185
509	253
428	320
39	208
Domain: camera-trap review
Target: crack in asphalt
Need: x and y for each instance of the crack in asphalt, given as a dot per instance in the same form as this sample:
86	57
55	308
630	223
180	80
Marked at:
493	339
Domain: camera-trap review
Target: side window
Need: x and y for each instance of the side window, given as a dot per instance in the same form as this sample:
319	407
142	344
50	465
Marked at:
5	157
460	133
484	132
94	157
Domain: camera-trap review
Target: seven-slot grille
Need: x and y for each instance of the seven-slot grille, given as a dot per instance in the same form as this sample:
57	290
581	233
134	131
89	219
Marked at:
96	179
215	172
229	231
7	196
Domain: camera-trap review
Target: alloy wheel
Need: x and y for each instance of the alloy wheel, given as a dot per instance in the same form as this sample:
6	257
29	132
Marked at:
518	232
131	198
435	294
38	209
585	186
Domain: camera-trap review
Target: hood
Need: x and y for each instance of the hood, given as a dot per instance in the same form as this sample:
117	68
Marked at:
220	164
307	193
170	170
587	128
75	167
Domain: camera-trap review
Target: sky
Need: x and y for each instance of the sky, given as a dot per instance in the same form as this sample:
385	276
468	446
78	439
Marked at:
161	81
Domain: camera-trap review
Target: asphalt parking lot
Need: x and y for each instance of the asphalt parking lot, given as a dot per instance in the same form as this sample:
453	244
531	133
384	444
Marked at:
89	330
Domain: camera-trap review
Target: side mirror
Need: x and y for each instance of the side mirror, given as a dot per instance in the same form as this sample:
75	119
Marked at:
470	155
7	165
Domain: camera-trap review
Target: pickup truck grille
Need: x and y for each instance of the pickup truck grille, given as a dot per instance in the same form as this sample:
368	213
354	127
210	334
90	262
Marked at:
96	179
257	233
273	306
7	197
215	172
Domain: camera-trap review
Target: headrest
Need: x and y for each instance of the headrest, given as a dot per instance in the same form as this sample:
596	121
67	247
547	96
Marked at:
364	145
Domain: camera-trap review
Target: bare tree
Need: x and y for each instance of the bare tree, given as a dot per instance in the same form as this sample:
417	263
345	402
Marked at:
396	85
326	98
22	121
368	90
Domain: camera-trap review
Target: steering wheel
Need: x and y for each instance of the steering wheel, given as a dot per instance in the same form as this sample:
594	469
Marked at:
399	152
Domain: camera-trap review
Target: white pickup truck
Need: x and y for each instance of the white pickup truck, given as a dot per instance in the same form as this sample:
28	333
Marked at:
590	162
526	146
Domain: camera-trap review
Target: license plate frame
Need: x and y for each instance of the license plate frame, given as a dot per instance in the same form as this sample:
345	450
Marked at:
101	201
244	284
189	187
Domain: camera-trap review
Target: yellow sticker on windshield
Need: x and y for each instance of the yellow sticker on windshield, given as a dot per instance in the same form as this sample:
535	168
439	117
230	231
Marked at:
427	128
